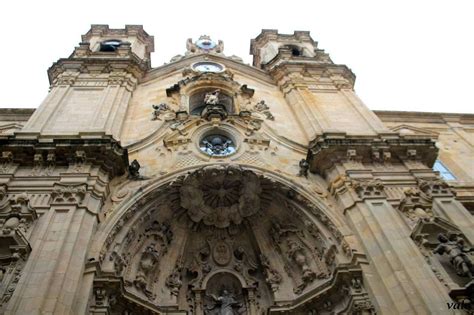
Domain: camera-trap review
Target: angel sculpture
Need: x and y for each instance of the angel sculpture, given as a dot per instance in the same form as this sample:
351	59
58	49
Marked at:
212	98
225	304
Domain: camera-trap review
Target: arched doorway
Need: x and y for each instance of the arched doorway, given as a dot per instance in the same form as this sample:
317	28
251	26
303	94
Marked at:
224	240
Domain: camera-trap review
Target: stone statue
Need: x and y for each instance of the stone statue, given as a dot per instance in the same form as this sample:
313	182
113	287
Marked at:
224	304
264	109
134	170
459	254
304	167
148	260
296	253
272	277
173	282
213	107
158	109
212	98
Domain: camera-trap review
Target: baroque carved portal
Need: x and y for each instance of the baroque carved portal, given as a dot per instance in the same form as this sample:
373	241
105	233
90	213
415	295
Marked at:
219	240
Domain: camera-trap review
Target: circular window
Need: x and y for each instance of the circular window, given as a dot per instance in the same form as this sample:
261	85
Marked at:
217	145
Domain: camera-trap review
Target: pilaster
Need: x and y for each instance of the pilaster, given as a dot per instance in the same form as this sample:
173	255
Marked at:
410	285
54	270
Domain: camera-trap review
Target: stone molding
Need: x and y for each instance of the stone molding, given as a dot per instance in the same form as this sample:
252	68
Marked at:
332	148
102	150
123	71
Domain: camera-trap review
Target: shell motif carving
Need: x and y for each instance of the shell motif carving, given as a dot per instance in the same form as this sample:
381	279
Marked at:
221	197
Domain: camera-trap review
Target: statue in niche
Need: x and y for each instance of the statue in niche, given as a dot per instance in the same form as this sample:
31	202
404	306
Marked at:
173	281
150	257
459	254
296	253
213	107
272	277
225	304
212	98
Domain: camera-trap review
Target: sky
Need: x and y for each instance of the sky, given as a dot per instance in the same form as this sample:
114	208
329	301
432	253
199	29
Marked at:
407	55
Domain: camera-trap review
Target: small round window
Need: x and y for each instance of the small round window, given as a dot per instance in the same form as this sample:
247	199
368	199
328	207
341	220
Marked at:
217	145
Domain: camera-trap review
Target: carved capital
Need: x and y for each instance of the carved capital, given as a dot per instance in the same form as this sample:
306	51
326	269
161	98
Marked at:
68	194
369	189
435	188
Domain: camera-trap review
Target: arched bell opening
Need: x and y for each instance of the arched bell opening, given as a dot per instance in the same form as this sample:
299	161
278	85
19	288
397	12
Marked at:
173	249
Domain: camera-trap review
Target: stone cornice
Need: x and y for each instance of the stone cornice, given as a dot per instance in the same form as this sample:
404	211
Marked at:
291	72
424	117
103	151
74	66
328	149
16	114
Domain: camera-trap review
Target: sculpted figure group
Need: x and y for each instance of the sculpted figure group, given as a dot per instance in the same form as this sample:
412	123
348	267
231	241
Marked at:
460	255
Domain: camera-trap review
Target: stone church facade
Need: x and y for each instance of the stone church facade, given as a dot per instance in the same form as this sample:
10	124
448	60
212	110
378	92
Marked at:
209	186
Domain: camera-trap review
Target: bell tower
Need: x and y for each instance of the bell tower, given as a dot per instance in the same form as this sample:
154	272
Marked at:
270	43
91	89
320	92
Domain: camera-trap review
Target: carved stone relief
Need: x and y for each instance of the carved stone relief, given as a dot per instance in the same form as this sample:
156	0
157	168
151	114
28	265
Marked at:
254	249
162	109
434	187
415	205
449	254
6	162
73	194
220	197
368	188
16	220
301	262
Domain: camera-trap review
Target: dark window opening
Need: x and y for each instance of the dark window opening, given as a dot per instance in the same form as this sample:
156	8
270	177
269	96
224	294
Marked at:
110	45
295	50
